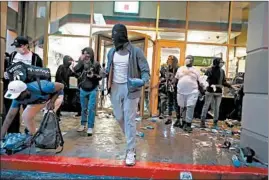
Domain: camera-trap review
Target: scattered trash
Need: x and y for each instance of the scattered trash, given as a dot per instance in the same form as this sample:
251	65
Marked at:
153	119
248	154
236	161
204	144
186	135
214	131
138	118
147	127
185	176
207	129
231	123
140	134
225	145
15	142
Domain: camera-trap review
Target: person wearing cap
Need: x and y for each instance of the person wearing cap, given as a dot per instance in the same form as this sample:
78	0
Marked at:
89	70
187	92
216	80
30	95
24	55
127	71
63	75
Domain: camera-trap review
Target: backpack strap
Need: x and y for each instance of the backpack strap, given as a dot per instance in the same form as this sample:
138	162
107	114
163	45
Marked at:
12	57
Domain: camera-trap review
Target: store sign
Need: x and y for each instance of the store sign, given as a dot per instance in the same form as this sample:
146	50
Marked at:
126	7
202	61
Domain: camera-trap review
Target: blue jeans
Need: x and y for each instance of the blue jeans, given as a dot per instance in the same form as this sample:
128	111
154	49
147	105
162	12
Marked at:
88	101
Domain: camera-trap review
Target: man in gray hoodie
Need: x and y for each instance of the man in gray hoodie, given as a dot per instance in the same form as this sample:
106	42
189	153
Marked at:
128	71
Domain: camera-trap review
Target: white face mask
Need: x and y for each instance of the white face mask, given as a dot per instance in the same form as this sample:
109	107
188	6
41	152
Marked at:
20	50
187	61
221	65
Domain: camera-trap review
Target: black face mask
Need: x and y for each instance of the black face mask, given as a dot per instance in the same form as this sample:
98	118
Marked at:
119	36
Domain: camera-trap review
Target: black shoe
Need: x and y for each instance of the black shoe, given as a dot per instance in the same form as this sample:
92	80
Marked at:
187	127
26	131
182	125
202	125
169	121
177	123
161	117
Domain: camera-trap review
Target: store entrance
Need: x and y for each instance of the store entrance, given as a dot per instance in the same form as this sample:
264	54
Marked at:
102	44
164	49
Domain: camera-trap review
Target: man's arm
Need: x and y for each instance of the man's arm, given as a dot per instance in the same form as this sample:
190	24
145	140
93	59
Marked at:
143	66
39	62
224	82
9	118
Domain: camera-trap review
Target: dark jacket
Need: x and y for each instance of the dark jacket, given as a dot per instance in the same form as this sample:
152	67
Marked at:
86	69
63	74
137	68
216	76
36	60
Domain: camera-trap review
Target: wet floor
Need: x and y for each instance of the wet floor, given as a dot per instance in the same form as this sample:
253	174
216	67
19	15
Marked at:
164	143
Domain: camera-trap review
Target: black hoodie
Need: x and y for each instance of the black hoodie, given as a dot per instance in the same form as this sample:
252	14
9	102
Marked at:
63	72
216	76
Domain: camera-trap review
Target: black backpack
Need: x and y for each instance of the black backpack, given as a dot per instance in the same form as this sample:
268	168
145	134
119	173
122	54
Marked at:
28	73
49	135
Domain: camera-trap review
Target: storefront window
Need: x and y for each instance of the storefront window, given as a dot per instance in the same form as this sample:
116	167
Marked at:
61	46
72	18
139	13
239	22
208	22
237	60
204	54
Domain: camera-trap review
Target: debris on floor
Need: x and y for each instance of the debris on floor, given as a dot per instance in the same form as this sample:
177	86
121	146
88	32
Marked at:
140	134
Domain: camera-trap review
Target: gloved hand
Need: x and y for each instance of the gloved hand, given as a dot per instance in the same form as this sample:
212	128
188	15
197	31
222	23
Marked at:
214	87
136	82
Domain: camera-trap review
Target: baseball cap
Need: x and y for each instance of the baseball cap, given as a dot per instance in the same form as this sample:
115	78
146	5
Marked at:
15	88
19	41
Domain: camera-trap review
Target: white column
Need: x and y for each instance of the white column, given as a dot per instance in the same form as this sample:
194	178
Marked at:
255	102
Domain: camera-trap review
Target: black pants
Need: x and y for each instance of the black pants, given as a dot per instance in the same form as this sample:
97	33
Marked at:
172	104
15	125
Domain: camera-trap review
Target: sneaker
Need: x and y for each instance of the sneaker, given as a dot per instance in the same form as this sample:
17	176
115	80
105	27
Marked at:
169	121
130	158
77	115
182	125
161	117
177	123
215	126
202	125
89	131
81	128
187	127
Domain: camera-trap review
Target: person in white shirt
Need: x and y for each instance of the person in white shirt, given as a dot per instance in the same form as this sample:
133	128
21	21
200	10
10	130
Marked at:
187	91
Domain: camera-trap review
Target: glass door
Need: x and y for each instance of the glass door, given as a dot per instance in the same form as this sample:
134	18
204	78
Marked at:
164	49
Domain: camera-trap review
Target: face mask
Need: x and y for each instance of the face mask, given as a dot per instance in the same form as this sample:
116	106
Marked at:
221	65
187	61
20	50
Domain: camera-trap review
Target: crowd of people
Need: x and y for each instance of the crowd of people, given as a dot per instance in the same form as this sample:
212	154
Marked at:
127	71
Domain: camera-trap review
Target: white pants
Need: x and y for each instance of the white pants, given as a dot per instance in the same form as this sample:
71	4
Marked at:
187	101
31	110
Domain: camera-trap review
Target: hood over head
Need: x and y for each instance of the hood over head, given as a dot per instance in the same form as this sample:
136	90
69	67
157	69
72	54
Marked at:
67	61
217	61
119	36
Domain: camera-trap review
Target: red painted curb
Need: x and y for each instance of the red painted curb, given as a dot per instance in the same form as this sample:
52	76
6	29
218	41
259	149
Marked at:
104	167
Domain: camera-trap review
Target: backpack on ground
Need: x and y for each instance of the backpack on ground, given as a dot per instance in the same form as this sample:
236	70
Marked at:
49	135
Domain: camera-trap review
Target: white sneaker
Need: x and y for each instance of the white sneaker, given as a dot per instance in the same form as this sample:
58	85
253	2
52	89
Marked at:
89	131
130	158
81	128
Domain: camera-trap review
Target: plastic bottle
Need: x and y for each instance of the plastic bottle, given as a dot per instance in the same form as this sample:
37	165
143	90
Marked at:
140	134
